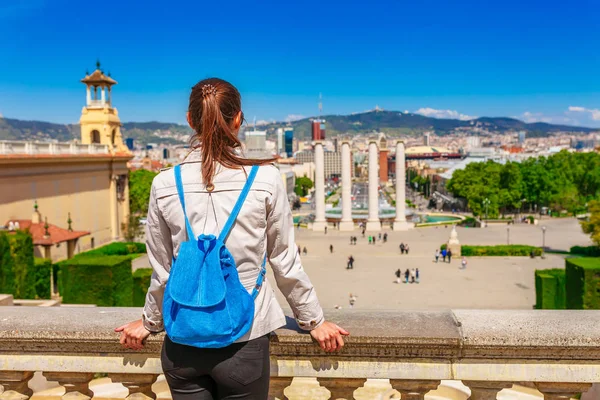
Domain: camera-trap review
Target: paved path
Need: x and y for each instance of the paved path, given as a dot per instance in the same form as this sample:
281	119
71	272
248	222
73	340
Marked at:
488	282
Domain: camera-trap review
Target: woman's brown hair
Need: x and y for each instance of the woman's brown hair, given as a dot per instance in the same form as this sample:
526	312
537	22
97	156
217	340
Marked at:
214	105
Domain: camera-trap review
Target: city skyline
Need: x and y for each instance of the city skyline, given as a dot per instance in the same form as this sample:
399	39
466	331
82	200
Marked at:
529	61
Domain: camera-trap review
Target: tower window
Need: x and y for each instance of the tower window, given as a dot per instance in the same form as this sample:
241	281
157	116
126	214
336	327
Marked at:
95	136
112	137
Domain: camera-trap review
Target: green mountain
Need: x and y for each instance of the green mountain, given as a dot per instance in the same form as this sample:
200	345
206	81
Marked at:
391	122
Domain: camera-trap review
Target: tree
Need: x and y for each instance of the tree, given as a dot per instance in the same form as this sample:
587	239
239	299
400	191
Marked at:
140	183
592	225
132	228
303	185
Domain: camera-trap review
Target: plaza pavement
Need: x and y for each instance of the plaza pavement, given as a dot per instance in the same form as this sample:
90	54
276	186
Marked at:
488	282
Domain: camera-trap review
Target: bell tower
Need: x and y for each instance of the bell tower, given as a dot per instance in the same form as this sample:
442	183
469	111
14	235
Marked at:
99	120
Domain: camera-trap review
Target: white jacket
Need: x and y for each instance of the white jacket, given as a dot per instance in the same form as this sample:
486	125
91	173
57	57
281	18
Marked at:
264	223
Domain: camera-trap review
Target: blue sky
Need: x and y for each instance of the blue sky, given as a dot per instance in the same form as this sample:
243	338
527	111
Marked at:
534	60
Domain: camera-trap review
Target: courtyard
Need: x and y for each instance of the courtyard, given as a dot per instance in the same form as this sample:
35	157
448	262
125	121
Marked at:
486	283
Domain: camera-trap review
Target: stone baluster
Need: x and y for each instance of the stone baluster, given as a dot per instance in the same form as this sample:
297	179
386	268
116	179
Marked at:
414	389
76	384
276	387
341	388
15	384
560	390
139	385
486	390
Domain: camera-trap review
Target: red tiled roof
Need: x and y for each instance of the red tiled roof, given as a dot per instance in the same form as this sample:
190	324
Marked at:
57	235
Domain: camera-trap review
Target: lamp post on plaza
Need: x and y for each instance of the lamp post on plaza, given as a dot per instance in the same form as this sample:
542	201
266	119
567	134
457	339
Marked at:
486	203
543	242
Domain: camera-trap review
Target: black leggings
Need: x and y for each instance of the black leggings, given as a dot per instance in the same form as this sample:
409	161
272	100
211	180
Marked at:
239	371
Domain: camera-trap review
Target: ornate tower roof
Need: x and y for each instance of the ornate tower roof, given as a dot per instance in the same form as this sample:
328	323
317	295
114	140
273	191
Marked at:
98	78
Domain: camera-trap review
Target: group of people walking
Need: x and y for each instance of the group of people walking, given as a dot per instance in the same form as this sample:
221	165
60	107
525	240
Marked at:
412	274
404	248
444	253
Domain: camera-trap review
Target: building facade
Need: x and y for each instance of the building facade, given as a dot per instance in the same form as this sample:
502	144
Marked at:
84	186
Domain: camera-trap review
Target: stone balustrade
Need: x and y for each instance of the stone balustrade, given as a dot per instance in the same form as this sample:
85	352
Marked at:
558	352
9	147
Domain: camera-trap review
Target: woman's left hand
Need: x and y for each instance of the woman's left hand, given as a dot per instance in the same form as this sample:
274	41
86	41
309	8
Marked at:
133	335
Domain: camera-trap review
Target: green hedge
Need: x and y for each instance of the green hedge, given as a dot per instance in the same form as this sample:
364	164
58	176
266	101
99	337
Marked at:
117	249
550	291
497	251
583	283
141	282
101	280
587	251
42	273
21	251
7	275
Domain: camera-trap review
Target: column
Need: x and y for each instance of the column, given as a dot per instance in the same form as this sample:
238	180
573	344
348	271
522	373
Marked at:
346	224
486	390
561	391
16	384
277	386
114	208
414	389
102	96
373	223
319	199
400	223
76	384
342	388
139	385
88	97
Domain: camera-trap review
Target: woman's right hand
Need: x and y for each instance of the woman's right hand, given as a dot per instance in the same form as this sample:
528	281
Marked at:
329	336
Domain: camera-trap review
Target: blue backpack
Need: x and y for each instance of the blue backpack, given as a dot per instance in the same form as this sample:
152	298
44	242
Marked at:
205	304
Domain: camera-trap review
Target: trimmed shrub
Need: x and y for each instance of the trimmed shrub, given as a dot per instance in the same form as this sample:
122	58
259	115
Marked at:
583	283
587	251
21	251
117	249
550	291
141	282
7	274
513	250
42	273
101	280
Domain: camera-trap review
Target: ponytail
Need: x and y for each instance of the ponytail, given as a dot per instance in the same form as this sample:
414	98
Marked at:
214	104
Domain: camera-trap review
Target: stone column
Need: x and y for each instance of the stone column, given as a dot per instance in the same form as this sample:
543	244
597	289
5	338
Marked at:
88	96
341	388
346	224
277	386
486	390
400	223
373	223
561	391
319	199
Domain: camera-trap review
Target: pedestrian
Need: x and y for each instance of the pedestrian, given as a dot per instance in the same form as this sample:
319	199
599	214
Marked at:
398	275
406	275
385	237
326	229
351	261
203	343
331	248
352	300
449	254
444	255
402	248
369	239
437	255
379	236
298	226
299	252
304	251
373	239
464	263
355	240
363	232
417	274
406	248
412	275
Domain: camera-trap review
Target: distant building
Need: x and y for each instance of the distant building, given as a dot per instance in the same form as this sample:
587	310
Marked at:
288	141
473	142
256	144
522	135
130	144
426	139
333	162
318	129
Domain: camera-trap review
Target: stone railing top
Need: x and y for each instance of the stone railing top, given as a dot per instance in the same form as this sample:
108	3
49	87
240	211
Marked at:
452	334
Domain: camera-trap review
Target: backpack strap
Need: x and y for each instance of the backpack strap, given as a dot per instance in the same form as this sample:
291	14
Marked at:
260	279
179	185
238	205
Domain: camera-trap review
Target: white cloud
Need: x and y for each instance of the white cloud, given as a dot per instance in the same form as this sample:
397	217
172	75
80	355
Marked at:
294	117
264	122
594	113
531	117
449	114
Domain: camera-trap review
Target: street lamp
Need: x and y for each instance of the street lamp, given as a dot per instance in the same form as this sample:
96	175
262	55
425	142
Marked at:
543	241
486	203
